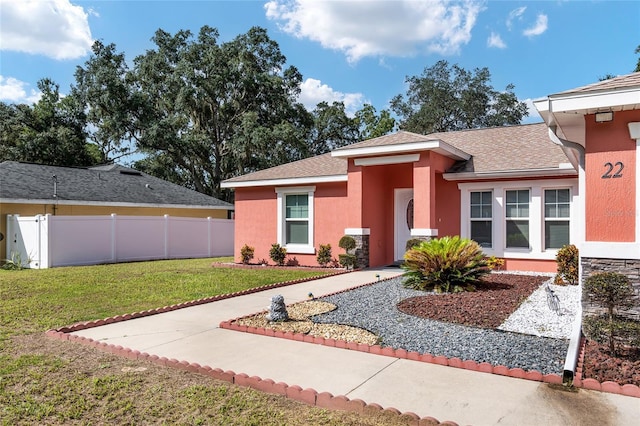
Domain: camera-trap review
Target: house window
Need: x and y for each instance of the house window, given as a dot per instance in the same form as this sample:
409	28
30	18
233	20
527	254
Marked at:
517	215
556	218
481	217
295	219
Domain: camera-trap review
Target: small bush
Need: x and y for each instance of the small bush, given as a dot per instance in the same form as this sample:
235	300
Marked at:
347	260
623	330
278	254
567	259
246	253
495	263
445	264
324	254
613	292
411	243
347	242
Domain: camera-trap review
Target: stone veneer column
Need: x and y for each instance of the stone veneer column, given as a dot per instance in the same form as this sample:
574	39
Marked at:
628	267
361	235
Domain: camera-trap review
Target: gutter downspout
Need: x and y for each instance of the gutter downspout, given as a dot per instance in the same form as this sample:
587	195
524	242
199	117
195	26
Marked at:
571	360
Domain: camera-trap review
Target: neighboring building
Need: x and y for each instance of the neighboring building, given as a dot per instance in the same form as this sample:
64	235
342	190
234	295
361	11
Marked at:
32	189
521	191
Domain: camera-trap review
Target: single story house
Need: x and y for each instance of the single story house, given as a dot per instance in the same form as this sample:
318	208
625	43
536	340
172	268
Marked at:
520	191
35	189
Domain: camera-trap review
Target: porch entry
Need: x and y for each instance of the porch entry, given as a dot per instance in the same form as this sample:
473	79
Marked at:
403	220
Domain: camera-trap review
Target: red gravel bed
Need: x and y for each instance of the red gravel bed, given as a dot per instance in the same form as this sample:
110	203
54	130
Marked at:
599	364
496	297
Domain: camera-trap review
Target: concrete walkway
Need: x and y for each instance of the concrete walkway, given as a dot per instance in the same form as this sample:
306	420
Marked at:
466	397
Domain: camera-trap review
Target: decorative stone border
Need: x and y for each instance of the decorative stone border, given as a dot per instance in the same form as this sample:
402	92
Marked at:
308	396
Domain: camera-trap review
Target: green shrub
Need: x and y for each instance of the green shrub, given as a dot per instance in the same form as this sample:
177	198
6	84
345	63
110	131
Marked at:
445	264
495	263
347	242
623	330
347	260
324	254
411	243
567	259
278	254
613	292
246	253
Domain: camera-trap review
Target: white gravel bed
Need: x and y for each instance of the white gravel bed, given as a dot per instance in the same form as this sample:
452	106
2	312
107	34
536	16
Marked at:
536	318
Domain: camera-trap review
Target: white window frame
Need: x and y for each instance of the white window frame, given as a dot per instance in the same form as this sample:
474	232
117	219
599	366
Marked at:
282	192
482	219
536	215
517	218
554	219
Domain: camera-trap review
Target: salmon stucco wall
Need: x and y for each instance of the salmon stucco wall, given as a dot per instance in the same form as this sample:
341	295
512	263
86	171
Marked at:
257	221
378	206
447	207
610	168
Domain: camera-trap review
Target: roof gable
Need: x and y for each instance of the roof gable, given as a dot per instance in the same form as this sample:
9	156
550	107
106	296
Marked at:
110	184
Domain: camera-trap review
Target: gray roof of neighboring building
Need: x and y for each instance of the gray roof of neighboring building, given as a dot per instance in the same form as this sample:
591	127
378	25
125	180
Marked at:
110	184
496	149
621	82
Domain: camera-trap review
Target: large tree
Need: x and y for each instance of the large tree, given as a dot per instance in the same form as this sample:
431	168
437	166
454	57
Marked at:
446	98
50	132
112	105
219	109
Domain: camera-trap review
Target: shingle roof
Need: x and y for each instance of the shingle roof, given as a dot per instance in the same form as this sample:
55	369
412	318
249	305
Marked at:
102	184
318	166
498	149
616	83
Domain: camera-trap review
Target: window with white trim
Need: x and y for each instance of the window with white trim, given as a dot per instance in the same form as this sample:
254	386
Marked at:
481	218
295	219
517	218
556	218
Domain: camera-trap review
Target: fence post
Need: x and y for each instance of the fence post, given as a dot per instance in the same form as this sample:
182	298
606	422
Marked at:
166	236
46	256
11	218
114	242
209	242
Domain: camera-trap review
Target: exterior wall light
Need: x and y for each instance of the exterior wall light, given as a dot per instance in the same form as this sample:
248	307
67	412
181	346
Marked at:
602	117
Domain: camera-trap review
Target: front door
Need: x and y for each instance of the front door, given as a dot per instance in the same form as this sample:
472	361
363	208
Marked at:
403	220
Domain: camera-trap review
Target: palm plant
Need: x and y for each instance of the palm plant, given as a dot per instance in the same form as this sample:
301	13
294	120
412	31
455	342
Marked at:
445	264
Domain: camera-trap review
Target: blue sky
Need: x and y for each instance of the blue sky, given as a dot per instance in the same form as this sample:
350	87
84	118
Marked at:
350	51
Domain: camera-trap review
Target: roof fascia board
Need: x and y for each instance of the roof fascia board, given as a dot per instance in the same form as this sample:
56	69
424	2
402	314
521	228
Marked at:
564	171
109	204
593	100
387	159
287	181
436	145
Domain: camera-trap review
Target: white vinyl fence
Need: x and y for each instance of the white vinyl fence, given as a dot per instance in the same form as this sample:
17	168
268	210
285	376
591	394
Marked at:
46	241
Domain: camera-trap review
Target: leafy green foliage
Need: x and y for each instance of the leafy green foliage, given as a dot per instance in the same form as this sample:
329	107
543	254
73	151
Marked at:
412	242
347	242
446	98
620	331
324	254
568	261
278	254
495	263
444	264
347	260
613	292
246	253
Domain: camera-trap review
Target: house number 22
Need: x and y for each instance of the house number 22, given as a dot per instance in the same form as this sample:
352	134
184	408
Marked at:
613	170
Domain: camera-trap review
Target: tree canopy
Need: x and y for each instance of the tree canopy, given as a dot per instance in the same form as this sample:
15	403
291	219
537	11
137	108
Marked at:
445	98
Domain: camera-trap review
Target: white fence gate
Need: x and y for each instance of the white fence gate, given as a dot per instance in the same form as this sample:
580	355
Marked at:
46	241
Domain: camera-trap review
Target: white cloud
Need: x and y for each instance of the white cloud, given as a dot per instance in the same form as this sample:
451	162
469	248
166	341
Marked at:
515	14
534	115
362	28
312	92
13	90
539	27
495	40
54	28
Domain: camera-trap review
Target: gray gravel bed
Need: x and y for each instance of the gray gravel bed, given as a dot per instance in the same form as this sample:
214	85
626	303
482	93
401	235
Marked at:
374	308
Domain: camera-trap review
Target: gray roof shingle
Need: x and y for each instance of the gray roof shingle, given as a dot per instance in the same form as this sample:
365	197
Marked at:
617	83
101	184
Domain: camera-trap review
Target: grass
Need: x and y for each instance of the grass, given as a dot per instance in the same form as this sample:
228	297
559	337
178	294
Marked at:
45	381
